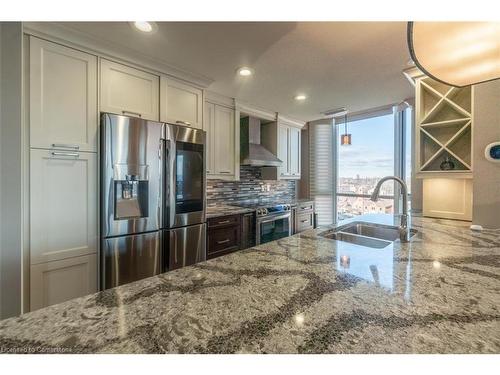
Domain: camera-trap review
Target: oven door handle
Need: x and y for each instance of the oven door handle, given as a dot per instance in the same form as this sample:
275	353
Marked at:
274	218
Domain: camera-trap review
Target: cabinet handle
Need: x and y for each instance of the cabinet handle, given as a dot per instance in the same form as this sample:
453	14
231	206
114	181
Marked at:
187	123
73	154
222	172
224	222
132	113
306	208
223	241
63	145
304	221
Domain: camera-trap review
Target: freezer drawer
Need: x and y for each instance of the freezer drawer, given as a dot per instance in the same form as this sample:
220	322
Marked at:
129	258
184	246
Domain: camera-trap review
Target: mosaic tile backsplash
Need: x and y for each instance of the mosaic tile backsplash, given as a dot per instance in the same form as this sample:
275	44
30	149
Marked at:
248	188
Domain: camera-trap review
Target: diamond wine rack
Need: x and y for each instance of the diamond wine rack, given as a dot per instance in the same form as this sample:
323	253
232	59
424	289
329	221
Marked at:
444	135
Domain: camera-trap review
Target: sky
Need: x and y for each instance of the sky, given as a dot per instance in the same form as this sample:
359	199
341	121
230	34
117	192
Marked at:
371	153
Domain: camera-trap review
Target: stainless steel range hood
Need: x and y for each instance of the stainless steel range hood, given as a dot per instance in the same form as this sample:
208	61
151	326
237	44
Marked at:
251	151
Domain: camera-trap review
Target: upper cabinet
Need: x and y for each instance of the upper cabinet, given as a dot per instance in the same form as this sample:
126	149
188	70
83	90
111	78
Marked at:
222	145
62	97
283	138
283	149
294	151
181	103
444	129
129	91
209	127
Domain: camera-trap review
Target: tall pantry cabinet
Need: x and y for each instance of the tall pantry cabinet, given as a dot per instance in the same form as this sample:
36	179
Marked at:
63	121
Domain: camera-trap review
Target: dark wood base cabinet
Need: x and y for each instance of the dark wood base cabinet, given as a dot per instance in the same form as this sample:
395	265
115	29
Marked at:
223	235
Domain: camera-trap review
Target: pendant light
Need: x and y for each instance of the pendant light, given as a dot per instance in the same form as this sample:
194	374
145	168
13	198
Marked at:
456	53
345	139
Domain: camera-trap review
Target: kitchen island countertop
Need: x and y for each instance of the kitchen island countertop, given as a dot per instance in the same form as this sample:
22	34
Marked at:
440	293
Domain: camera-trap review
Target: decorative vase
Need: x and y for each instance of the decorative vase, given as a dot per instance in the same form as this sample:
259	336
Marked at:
447	164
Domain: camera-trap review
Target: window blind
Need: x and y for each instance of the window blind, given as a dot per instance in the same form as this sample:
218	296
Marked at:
322	169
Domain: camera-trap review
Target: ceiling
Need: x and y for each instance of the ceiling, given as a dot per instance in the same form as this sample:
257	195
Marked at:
336	64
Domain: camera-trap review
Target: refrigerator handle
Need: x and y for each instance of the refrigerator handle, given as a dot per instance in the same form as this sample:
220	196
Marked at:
167	184
161	190
171	175
175	246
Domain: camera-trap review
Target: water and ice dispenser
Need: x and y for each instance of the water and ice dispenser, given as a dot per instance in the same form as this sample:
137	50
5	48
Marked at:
131	192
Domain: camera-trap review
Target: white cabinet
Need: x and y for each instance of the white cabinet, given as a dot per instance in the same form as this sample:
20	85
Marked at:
209	127
222	158
62	280
63	204
129	91
181	103
283	150
62	97
224	141
289	151
294	151
447	198
283	138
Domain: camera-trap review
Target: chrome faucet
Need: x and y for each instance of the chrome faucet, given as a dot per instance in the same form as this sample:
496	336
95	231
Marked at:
404	232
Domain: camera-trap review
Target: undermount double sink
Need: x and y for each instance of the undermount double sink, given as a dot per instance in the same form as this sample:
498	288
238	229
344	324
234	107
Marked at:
361	233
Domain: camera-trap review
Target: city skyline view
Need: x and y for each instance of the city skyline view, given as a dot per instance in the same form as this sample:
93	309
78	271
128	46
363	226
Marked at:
363	163
371	153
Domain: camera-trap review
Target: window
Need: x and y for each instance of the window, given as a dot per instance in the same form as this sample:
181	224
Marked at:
322	178
362	164
342	178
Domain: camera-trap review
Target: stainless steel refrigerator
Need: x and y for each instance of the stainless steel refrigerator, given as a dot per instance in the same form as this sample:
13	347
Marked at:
152	198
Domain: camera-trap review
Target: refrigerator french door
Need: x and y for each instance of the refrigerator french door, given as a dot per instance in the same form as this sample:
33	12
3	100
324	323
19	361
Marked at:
184	207
131	199
184	246
152	198
185	174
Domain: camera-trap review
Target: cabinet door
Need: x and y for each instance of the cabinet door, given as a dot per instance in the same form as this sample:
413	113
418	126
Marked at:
224	141
283	150
63	97
128	91
447	198
62	280
181	103
63	204
208	126
294	151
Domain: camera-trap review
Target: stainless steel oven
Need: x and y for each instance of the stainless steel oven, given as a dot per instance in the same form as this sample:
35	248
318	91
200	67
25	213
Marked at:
273	224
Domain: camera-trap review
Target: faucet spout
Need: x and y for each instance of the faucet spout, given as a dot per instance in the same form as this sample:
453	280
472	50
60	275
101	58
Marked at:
404	231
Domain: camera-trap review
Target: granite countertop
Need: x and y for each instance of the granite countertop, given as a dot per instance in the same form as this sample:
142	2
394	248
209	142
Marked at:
224	210
440	293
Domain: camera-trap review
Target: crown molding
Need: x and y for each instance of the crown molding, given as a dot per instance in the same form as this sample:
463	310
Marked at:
412	74
219	99
251	110
64	34
291	122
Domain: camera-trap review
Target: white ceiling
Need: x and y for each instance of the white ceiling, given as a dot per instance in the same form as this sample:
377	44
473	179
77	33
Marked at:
336	64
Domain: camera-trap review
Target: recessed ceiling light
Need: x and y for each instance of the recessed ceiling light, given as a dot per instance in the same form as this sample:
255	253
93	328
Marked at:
300	97
245	71
145	26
